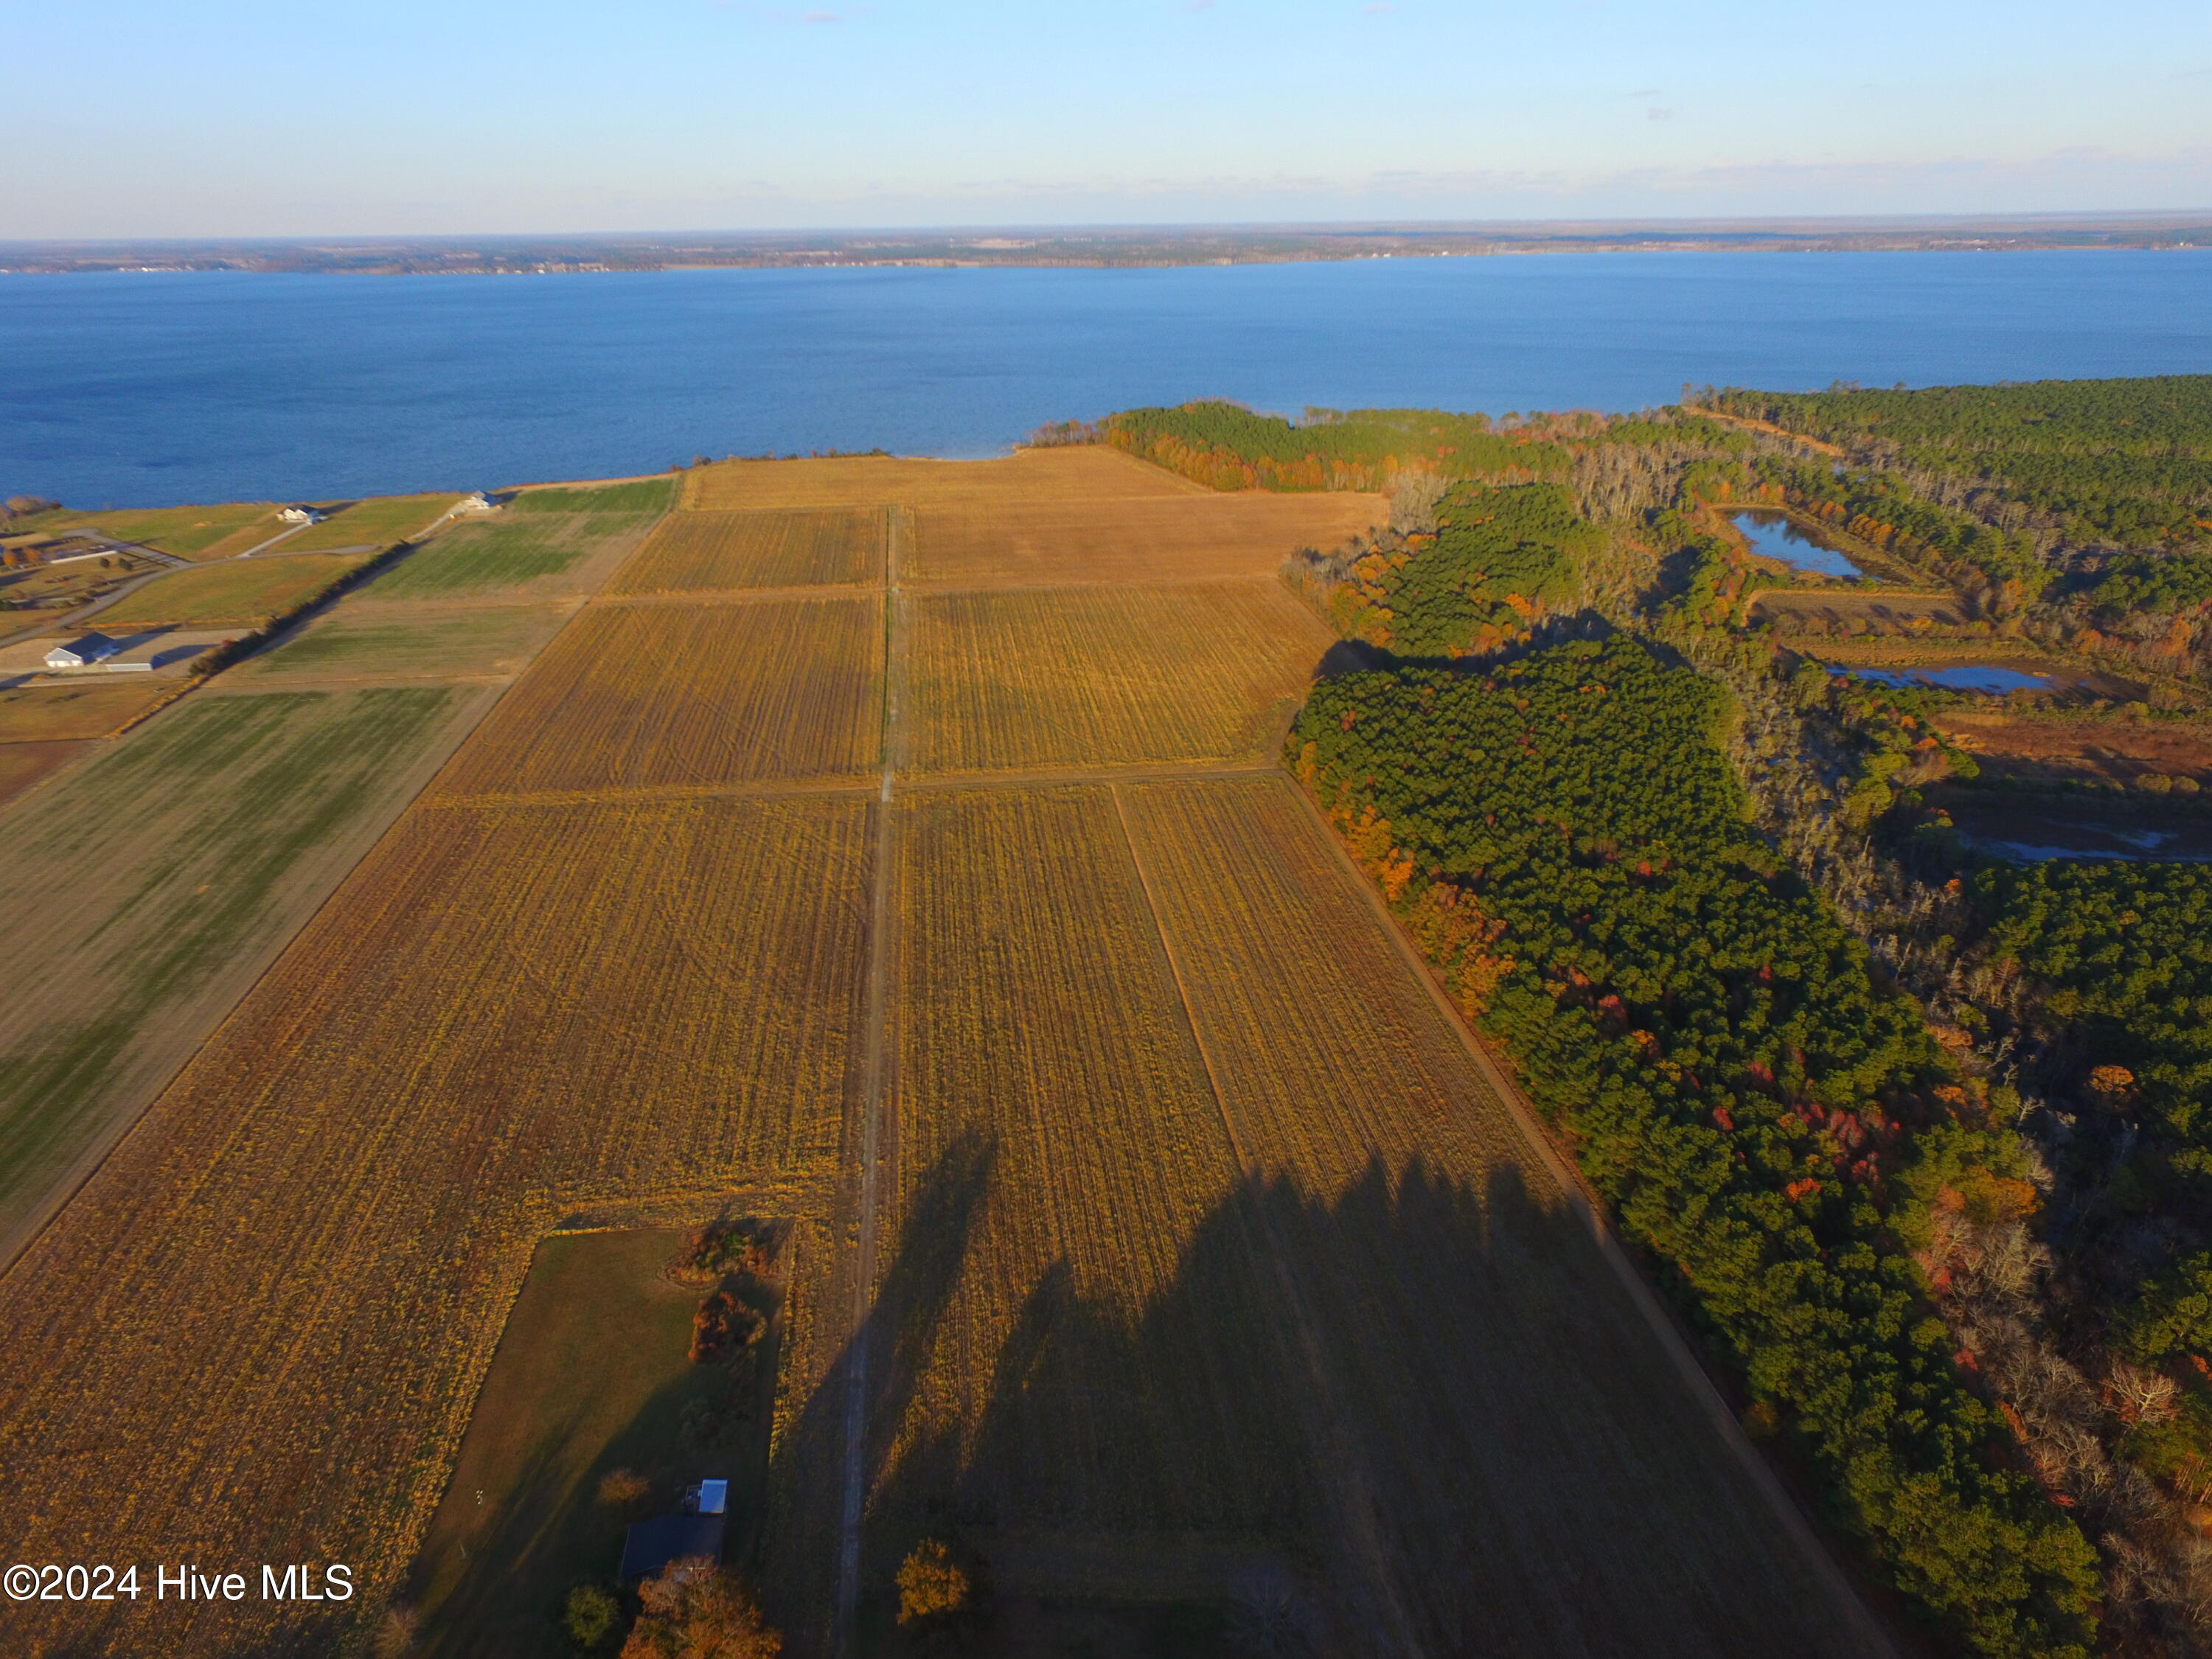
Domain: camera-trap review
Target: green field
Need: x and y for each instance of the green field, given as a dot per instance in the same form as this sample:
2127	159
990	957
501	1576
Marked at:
155	878
404	642
641	496
590	1377
528	554
375	522
187	531
243	593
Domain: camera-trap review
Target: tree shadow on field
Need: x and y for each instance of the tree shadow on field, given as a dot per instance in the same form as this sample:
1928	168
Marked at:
1427	1406
922	1267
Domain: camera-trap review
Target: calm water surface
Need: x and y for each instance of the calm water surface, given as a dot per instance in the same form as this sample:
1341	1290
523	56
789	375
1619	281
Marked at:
1992	678
149	389
1774	536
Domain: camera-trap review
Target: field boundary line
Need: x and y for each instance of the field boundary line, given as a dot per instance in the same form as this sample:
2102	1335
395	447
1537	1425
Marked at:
1800	1530
1357	1505
651	794
882	906
800	593
944	586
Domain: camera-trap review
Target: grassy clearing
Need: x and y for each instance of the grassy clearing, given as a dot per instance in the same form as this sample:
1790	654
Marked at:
23	766
544	553
1070	474
156	875
647	696
1249	534
706	552
356	640
640	495
190	532
235	592
591	1378
75	710
1093	676
374	522
315	1235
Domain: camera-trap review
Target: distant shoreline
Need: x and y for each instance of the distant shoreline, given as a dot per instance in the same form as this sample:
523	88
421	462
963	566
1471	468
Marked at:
1103	248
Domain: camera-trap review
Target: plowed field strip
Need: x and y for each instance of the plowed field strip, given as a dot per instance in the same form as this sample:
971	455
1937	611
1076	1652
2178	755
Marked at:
1092	474
1079	1337
1054	679
1245	534
1524	1428
282	1287
705	551
676	694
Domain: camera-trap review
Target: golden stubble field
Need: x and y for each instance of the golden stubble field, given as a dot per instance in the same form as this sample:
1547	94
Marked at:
1192	1249
1042	678
642	697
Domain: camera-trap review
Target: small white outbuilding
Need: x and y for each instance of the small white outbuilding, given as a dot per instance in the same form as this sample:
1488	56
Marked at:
302	514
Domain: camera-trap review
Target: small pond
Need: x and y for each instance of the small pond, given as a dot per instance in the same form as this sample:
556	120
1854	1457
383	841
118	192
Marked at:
1772	536
1992	678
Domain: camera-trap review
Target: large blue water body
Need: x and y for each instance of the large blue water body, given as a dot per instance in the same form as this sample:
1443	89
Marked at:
142	390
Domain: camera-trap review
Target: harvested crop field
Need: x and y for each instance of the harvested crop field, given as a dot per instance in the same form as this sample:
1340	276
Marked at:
1838	609
1050	677
286	1286
161	878
1247	534
362	640
23	766
1076	473
1477	1375
709	552
233	592
517	555
1081	1343
76	709
642	697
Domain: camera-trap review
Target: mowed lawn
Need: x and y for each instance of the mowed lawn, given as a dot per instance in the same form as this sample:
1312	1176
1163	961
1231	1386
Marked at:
190	532
591	1378
232	592
378	522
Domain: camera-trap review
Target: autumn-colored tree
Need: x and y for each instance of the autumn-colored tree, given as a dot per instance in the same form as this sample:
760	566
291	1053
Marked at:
693	1609
931	1584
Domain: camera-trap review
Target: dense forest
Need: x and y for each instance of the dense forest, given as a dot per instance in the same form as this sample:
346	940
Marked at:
2126	463
1567	842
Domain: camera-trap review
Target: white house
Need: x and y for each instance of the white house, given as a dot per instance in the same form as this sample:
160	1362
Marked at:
77	653
479	502
302	515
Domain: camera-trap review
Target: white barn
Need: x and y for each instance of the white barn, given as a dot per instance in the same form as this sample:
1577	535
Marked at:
79	651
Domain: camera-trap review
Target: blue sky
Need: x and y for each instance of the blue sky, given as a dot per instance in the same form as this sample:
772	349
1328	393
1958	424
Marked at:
244	116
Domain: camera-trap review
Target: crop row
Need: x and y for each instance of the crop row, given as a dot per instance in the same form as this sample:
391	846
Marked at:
630	696
707	552
1027	677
